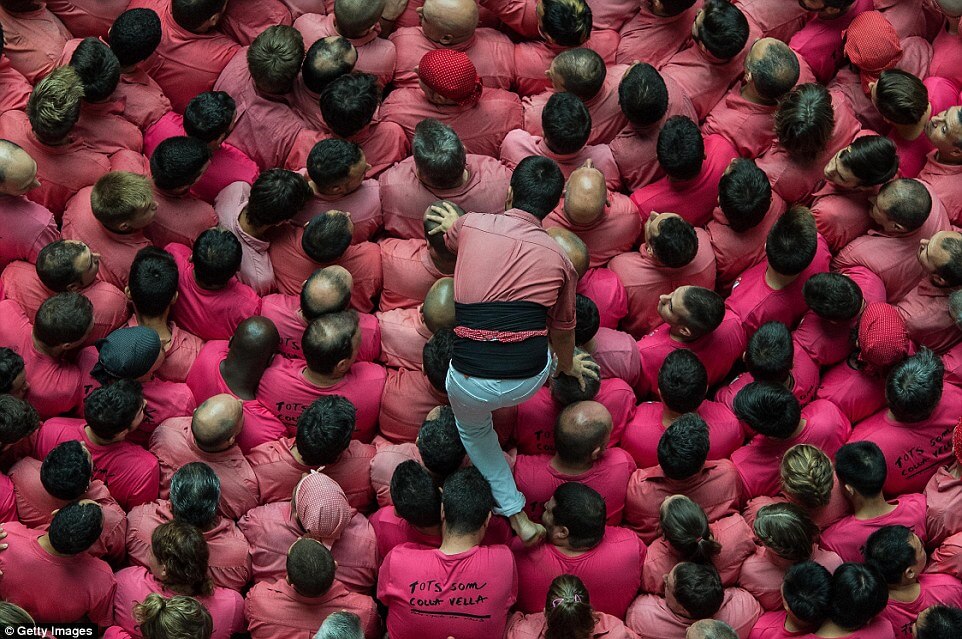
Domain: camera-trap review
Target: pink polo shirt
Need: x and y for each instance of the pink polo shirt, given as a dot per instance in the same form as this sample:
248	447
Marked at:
934	589
533	57
534	626
491	52
275	610
130	473
383	143
804	381
715	487
943	180
651	618
385	461
771	625
364	205
209	314
29	227
407	399
612	234
228	164
646	280
946	52
55	383
255	268
519	144
847	537
653	38
943	94
856	393
33	40
645	429
537	479
285	312
230	560
735	537
403	336
819	42
611	571
292	266
921	19
87	17
16	89
925	310
243	21
838	506
735	252
693	199
913	451
405	198
226	607
392	530
616	354
749	126
480	126
408	272
375	55
285	392
947	558
603	287
758	462
103	127
943	493
763	572
180	219
775	19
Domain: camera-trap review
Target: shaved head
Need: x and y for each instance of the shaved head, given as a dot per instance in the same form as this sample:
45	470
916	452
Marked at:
217	422
573	246
449	22
585	196
583	428
327	290
438	308
18	171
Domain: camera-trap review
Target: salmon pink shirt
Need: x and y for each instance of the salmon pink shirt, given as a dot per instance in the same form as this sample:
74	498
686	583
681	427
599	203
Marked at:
491	52
847	537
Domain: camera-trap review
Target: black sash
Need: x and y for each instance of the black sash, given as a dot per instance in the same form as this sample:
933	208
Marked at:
495	359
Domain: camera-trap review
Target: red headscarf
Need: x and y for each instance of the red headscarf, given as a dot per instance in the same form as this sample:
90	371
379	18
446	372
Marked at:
882	338
872	44
450	74
957	442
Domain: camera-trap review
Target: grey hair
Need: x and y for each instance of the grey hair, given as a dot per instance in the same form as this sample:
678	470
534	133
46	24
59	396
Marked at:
955	307
438	153
340	625
195	494
711	629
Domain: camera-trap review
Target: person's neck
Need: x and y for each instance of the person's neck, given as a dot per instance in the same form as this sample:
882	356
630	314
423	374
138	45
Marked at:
297	455
207	287
907	592
452	544
566	468
54	143
668	416
952	25
44	541
912	131
240	378
53	352
432	531
320	380
950	161
210	450
673	332
160	324
445	266
777	281
749	93
254	231
465	177
955	470
871	507
832	629
792	625
98	441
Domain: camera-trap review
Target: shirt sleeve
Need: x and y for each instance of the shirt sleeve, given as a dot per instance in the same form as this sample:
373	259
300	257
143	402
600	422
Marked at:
453	235
561	317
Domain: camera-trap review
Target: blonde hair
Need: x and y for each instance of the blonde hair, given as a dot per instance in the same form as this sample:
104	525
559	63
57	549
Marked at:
118	196
179	617
54	105
807	476
13	615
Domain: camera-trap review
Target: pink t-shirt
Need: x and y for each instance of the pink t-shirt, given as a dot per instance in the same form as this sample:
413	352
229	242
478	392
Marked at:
533	626
179	219
645	429
285	312
87	17
856	393
519	144
847	537
763	572
408	272
925	311
532	57
103	127
29	227
771	625
275	610
819	42
615	231
737	251
804	381
403	336
364	204
749	126
491	52
407	399
651	618
841	215
180	353
375	55
934	589
654	38
603	287
391	530
33	41
255	268
838	506
943	180
616	354
946	53
943	496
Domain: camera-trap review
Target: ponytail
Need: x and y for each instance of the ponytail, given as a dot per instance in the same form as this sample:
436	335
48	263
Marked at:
685	526
567	611
179	617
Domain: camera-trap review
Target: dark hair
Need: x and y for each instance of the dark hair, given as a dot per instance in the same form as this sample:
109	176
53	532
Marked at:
330	161
348	103
209	115
153	281
537	183
313	308
567	609
582	70
442	451
567	22
134	36
676	243
698	589
191	14
724	29
17	419
861	465
324	430
195	494
680	148
55	264
804	122
682	381
901	97
11	365
438	152
66	471
787	530
566	123
75	527
274	58
807	592
889	550
706	309
182	551
436	357
913	388
685	526
775	73
940	622
328	340
951	271
310	567
908	202
416	497
769	409
216	257
276	196
744	195
575	444
63	318
643	95
566	390
683	447
588	320
179	162
110	410
676	7
858	595
873	159
467	501
833	296
98	68
325	61
581	510
770	354
326	237
792	241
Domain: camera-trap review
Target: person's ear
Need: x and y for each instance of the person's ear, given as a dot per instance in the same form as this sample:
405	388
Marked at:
684	331
446	38
126	292
597	453
174	299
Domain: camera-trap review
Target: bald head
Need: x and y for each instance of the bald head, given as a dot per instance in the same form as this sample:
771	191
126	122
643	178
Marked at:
254	343
18	171
355	18
327	290
582	432
438	306
449	22
585	196
217	422
579	71
710	629
573	246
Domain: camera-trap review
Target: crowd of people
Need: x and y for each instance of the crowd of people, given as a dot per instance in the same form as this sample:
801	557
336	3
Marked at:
433	319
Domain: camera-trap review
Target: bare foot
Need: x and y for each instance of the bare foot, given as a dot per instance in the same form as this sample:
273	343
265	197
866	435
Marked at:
529	532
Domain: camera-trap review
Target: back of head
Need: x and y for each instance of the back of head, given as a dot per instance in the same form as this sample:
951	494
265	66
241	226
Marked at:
769	409
582	71
65	318
12	615
66	471
112	409
442	451
807	592
340	625
255	341
939	622
536	185
581	510
833	296
804	122
195	494
348	103
566	123
680	149
861	466
327	290
438	307
900	97
685	526
889	550
787	530
327	236
711	629
439	155
276	196
153	281
416	498
193	15
75	527
54	105
274	58
181	550
324	430
744	195
566	22
178	617
581	429
216	422
724	29
683	447
329	340
682	381
310	567
355	18
676	243
467	501
858	594
209	115
567	609
119	197
178	162
566	390
17	419
913	388
770	353
792	241
643	95
330	161
588	319
906	202
436	358
872	159
327	59
11	367
775	72
706	310
98	68
807	476
134	36
56	264
698	589
216	257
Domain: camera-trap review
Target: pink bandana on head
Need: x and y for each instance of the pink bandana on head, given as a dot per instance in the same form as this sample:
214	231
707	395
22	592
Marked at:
322	507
